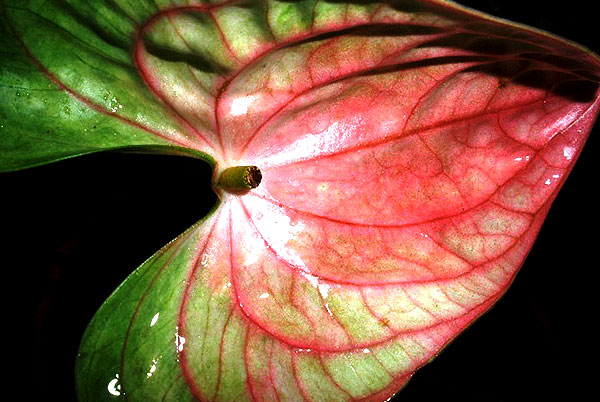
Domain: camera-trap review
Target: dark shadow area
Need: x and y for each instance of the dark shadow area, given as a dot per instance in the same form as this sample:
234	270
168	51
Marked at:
372	30
529	73
506	49
113	39
534	75
194	60
407	6
192	56
74	231
501	52
504	53
479	43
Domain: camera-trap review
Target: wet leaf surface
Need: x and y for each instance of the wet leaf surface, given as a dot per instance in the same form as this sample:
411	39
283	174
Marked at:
374	306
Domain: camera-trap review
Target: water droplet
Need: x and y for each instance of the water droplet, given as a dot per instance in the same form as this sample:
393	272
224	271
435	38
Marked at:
114	388
179	342
154	319
114	105
323	289
568	153
152	367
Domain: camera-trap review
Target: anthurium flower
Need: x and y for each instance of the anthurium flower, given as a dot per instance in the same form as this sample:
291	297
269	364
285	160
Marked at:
383	169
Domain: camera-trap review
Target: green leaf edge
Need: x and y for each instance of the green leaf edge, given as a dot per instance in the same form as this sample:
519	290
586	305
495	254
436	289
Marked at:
134	149
80	363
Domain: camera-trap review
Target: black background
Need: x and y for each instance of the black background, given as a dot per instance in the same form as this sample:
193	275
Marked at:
77	228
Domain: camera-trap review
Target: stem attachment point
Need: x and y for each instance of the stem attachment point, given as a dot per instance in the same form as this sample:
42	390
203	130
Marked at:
240	178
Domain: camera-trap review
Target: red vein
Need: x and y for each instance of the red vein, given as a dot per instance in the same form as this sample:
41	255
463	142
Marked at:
189	47
319	357
206	8
182	319
514	176
313	86
221	348
138	53
301	270
272	372
247	365
395	334
303	392
86	101
405	134
139	304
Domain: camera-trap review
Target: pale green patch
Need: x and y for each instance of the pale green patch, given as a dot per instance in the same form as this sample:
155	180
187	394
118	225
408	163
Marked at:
290	19
359	372
316	381
283	373
349	309
233	369
207	314
245	29
327	14
455	290
361	13
393	357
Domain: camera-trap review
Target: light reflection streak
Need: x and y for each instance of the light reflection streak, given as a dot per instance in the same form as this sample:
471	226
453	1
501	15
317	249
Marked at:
154	319
114	388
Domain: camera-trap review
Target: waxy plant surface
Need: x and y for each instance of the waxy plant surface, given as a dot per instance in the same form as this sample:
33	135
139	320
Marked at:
409	150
